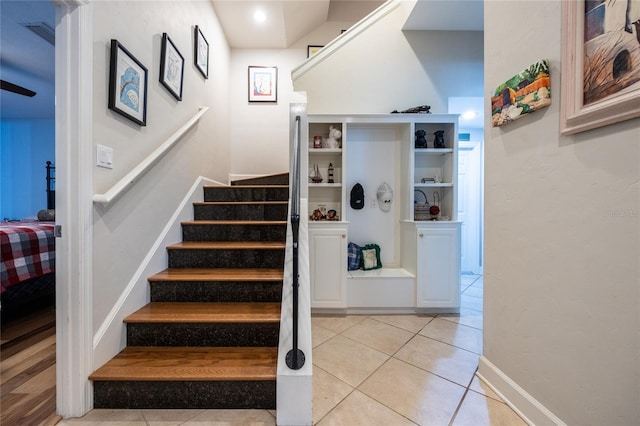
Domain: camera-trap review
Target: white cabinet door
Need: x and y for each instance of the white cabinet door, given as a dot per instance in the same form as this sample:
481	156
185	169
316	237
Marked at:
328	267
438	266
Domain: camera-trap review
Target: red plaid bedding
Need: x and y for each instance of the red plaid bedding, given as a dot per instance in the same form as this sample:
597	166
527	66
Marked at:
28	251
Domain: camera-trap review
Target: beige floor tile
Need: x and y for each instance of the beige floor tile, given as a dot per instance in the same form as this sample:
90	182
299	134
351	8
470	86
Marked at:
359	409
422	397
378	335
482	388
320	334
337	324
478	410
169	417
440	358
471	302
467	280
107	417
473	291
412	323
455	334
350	361
233	418
328	391
467	317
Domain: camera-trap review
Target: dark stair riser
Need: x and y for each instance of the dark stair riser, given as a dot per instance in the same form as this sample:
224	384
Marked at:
226	258
254	232
203	334
240	211
214	291
258	394
213	193
279	179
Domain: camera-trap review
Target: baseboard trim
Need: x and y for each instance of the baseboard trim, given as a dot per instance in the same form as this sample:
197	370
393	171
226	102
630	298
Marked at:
520	401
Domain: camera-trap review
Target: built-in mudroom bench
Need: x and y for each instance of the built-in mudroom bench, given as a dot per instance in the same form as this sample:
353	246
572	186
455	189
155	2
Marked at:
405	217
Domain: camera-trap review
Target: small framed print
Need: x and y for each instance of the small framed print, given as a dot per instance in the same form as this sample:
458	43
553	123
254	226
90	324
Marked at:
171	67
263	84
312	50
201	55
127	85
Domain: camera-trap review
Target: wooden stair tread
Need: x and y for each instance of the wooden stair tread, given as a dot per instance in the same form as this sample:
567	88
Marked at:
234	222
206	312
190	364
231	245
218	274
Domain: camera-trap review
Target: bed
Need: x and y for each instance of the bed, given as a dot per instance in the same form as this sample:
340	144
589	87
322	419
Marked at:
28	260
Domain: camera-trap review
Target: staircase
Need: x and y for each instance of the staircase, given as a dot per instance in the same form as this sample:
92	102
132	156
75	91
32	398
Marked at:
209	336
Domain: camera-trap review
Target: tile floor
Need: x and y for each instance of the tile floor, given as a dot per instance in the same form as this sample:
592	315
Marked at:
375	370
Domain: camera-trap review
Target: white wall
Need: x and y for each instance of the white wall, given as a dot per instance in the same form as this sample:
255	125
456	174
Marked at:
124	231
384	69
25	148
260	131
562	248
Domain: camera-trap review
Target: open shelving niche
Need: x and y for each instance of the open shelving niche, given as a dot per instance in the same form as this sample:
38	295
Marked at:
375	149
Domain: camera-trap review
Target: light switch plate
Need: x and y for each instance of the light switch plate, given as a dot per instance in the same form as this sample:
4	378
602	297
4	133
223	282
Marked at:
104	156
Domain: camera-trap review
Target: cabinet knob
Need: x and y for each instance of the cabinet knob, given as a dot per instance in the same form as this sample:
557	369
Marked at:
421	235
344	236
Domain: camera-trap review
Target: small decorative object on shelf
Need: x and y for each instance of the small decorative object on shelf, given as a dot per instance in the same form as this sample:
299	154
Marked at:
438	142
317	141
332	140
421	109
428	180
420	210
434	210
315	175
421	140
321	213
330	173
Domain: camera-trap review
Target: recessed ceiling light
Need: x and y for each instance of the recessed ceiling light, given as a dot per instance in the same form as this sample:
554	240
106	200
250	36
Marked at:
468	115
259	16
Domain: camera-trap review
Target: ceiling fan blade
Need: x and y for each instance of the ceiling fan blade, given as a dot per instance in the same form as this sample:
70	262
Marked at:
5	85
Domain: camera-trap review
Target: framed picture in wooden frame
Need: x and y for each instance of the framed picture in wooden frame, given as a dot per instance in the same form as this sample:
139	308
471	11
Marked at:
263	84
600	65
127	84
171	67
201	54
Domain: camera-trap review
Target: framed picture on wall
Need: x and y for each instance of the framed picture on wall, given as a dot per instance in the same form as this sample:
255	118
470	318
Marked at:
263	84
201	54
171	67
600	65
312	50
127	85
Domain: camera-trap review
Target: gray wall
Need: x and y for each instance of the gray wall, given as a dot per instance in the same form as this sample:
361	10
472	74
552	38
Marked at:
562	248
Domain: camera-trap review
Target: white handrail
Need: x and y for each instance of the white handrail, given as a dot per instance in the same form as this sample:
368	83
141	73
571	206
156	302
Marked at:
124	183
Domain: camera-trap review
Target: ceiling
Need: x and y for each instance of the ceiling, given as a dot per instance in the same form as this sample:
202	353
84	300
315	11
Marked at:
29	61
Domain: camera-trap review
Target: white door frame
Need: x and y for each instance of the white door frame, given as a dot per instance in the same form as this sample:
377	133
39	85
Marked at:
74	207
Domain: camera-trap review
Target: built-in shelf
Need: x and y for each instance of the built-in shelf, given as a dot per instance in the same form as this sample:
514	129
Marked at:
324	185
325	151
433	185
433	151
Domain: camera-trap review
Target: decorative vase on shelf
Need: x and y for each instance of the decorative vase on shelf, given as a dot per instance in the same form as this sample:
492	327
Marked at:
315	175
330	173
438	142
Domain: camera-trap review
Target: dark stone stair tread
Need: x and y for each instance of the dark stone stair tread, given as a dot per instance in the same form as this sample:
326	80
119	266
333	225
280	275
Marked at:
150	363
234	222
227	245
196	312
240	203
245	186
219	274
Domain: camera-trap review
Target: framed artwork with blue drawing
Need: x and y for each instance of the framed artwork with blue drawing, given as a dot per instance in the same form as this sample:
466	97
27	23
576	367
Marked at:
263	84
201	54
171	67
127	85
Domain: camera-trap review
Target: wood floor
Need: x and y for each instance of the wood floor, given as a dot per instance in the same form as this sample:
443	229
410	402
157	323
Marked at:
28	369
